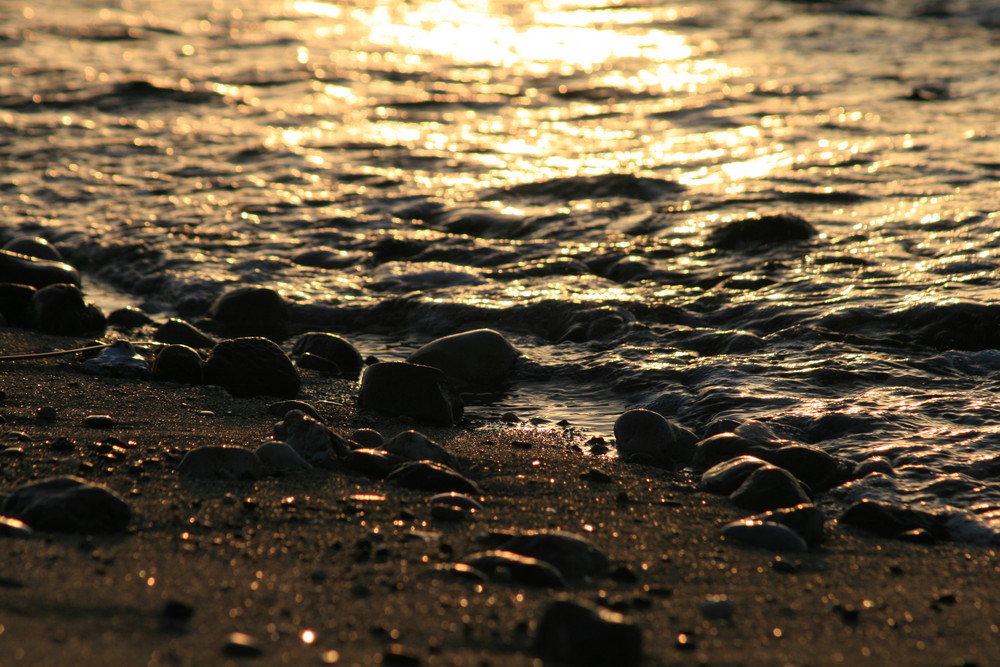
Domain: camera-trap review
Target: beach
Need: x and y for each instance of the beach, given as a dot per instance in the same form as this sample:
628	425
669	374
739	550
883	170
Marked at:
329	567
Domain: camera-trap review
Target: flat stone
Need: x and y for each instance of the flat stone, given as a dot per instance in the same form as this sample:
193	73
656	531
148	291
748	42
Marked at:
431	476
518	568
765	535
397	389
220	462
179	332
644	436
67	504
252	367
479	356
572	634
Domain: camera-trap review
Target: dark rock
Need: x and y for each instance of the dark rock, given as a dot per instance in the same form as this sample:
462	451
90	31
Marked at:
518	568
121	360
67	504
252	311
371	463
726	477
179	332
571	634
875	464
892	520
718	448
643	436
334	348
399	389
312	362
27	270
416	446
430	476
574	556
313	441
459	500
252	367
217	462
769	488
175	616
282	408
180	364
279	458
807	520
46	413
367	437
763	231
15	301
99	421
60	309
717	608
479	356
811	466
765	535
128	317
34	246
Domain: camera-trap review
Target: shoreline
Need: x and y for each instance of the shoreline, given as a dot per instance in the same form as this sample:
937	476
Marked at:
355	562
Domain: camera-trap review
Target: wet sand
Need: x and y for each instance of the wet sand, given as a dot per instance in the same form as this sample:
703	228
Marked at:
327	566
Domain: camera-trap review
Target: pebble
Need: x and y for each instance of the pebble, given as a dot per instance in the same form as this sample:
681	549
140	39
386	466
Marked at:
282	408
416	446
644	436
14	303
250	311
241	645
27	270
34	246
119	360
10	527
278	458
892	520
220	462
717	608
46	413
248	367
806	519
453	506
175	617
574	556
99	421
128	317
313	441
367	437
765	535
478	356
572	634
370	462
875	464
757	233
719	448
179	363
724	478
399	389
333	348
179	332
60	309
312	362
67	504
430	476
520	569
769	488
811	466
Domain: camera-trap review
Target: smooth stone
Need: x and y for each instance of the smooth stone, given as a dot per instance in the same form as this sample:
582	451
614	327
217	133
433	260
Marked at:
571	634
180	364
400	389
875	464
60	309
769	488
252	311
11	527
370	462
644	436
279	458
416	446
756	432
312	362
765	535
15	302
726	477
719	448
367	437
334	348
574	556
313	441
282	408
806	519
893	520
67	504
431	476
46	413
248	367
811	466
220	462
27	270
242	645
120	360
455	499
128	317
519	568
478	356
99	421
34	246
179	332
767	230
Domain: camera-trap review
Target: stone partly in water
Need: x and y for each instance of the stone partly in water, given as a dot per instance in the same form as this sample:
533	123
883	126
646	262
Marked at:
719	448
251	311
811	466
179	332
34	246
506	565
751	233
806	519
313	441
397	388
121	360
252	367
571	634
478	357
430	476
27	270
334	348
180	364
60	309
279	458
574	556
219	462
765	535
67	504
644	436
893	521
875	464
416	446
769	488
727	476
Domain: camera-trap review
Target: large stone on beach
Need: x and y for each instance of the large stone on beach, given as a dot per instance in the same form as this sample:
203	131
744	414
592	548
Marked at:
719	448
763	231
643	436
574	556
220	462
67	504
251	311
333	348
727	476
179	363
399	389
416	446
313	441
811	466
571	634
34	246
769	488
252	367
60	309
479	356
27	270
434	477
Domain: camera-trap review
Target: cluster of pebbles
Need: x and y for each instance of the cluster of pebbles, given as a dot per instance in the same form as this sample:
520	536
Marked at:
774	480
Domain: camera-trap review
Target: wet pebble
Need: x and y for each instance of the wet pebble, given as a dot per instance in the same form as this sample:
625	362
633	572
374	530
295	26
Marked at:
644	436
179	363
99	421
719	448
574	556
252	367
179	332
806	519
120	360
572	634
478	356
370	462
760	232
875	464
768	488
220	462
400	389
251	311
334	349
24	269
517	568
278	458
312	362
891	520
416	446
813	467
431	476
765	535
67	504
367	437
34	246
61	310
726	477
313	441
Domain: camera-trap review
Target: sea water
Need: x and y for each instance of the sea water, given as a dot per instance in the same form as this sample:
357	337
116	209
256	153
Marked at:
555	171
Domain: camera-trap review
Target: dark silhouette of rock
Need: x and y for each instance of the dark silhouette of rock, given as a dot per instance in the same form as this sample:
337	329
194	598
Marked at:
644	436
251	311
60	309
430	476
718	448
334	348
179	332
179	363
128	317
571	634
252	367
34	246
892	520
807	520
765	535
769	488
763	231
516	567
574	556
478	356
397	388
67	504
15	301
27	270
726	477
217	462
811	466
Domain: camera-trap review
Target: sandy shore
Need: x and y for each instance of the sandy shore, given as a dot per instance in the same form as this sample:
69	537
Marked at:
330	567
